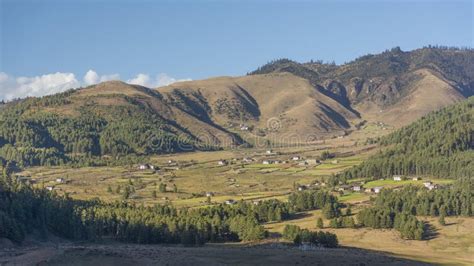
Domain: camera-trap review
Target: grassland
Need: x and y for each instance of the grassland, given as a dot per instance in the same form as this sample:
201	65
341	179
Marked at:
452	244
194	174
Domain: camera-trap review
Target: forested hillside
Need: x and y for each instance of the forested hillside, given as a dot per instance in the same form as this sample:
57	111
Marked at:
114	121
440	144
64	128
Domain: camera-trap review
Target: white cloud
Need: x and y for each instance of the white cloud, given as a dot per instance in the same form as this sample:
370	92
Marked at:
20	87
161	79
141	79
109	77
92	78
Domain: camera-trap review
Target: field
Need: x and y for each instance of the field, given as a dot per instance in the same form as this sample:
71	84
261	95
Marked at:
452	244
195	174
190	176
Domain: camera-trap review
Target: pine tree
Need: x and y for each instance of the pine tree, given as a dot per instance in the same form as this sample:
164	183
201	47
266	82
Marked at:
320	223
441	220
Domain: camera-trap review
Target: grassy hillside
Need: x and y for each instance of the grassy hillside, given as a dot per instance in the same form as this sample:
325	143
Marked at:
282	103
440	144
395	87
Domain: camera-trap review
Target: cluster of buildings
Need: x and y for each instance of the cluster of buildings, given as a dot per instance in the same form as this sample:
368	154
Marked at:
147	166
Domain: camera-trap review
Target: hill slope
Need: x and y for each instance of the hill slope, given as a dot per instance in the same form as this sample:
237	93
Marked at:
395	87
440	144
281	102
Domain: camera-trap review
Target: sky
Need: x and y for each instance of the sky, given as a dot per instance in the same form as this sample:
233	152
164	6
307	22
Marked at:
47	46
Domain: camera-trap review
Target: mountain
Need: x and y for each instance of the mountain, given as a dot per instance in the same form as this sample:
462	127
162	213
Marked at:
440	144
395	87
281	102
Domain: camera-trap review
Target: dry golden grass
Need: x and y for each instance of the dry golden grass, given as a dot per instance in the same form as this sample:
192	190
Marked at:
452	244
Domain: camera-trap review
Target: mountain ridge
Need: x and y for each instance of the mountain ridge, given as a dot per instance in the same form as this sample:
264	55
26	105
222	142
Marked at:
282	102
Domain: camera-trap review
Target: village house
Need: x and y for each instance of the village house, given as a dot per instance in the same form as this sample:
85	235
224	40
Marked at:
343	188
357	188
377	189
301	188
209	194
230	202
431	187
266	162
427	184
247	160
60	180
244	128
416	178
368	190
296	158
269	152
143	166
397	178
222	162
50	188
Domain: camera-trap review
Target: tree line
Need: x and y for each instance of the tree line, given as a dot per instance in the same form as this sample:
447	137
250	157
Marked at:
24	209
398	208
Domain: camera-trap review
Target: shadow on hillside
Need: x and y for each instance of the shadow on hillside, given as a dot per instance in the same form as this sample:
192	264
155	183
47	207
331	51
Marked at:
267	253
298	215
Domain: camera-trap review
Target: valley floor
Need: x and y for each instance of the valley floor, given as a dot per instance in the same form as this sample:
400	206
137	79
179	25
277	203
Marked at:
452	244
272	253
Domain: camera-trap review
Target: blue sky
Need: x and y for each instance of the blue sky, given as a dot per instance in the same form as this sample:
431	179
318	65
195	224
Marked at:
199	39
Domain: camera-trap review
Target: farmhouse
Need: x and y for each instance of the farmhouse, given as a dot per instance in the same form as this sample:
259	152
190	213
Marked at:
269	152
344	188
247	160
60	180
244	128
427	184
50	188
368	190
230	202
209	194
431	187
143	166
397	178
296	158
357	188
266	162
416	178
377	189
301	188
222	162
